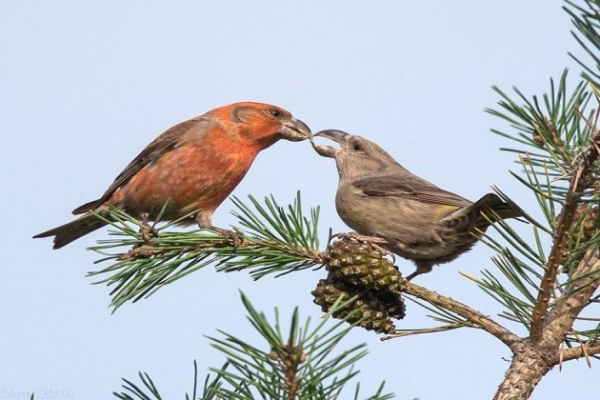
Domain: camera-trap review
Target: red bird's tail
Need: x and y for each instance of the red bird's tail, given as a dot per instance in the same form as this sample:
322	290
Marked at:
65	234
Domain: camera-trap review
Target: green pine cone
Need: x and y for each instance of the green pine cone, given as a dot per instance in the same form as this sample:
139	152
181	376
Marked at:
373	309
392	303
587	222
360	269
361	264
585	226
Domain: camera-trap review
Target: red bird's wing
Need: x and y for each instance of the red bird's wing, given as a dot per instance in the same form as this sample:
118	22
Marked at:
164	143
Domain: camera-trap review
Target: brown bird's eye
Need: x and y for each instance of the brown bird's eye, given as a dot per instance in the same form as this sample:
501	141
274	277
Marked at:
275	113
357	147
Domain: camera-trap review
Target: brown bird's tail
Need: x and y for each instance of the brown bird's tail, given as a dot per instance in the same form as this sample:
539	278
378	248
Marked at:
65	234
491	207
480	215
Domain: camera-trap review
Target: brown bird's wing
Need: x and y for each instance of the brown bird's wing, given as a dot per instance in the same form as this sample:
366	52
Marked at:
164	143
405	187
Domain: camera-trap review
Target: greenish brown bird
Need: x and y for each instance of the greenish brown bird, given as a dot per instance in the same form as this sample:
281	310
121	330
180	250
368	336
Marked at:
413	218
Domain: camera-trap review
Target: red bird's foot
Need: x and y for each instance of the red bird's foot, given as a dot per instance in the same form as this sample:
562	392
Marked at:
145	249
148	232
231	237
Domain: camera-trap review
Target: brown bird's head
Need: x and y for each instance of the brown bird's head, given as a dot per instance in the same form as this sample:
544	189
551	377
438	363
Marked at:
357	156
262	124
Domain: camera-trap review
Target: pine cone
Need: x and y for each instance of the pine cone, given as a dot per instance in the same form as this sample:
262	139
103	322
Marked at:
368	309
585	225
361	264
359	269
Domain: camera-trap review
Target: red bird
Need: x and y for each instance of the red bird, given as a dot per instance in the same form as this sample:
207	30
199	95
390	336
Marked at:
194	165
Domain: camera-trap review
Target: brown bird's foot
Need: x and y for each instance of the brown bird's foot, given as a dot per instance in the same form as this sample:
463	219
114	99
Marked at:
423	267
416	273
373	240
231	237
360	238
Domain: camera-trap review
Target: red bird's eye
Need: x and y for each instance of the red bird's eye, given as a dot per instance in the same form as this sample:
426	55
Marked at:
275	113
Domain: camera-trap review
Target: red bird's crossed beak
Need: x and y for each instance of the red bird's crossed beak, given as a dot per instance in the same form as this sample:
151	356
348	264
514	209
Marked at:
333	134
295	130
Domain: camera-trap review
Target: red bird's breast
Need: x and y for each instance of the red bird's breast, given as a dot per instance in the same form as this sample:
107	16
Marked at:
196	176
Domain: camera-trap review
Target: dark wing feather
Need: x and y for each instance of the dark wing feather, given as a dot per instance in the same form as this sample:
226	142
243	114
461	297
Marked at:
164	143
409	188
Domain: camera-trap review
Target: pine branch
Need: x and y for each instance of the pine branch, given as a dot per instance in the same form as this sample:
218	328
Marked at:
276	240
282	231
469	314
577	186
583	283
585	18
563	174
576	353
559	155
409	332
304	365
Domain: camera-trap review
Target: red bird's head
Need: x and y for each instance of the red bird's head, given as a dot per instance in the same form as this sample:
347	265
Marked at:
262	124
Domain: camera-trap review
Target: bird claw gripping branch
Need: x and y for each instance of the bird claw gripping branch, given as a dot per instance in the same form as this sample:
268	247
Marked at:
146	248
374	240
233	238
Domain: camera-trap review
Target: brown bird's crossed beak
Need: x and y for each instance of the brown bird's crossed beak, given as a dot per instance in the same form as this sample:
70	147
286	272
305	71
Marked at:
294	130
333	134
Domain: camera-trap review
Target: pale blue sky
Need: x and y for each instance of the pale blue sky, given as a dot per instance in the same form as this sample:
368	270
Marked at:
84	86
